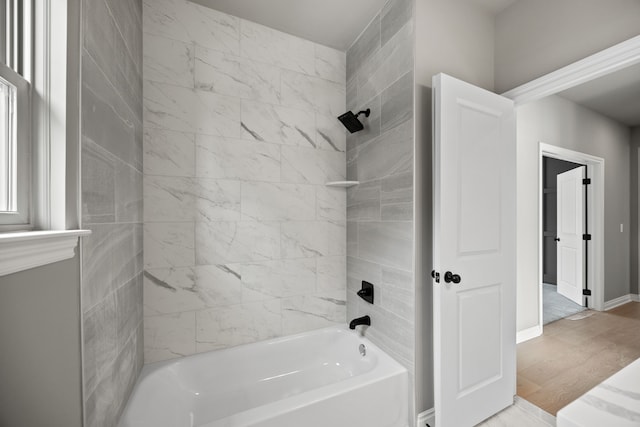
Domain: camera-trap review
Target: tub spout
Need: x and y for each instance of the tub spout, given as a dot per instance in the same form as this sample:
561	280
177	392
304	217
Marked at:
364	320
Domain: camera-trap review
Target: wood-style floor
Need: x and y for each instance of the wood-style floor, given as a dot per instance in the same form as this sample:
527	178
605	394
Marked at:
573	356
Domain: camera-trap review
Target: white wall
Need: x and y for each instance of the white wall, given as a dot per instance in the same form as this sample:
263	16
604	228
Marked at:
40	366
536	37
243	240
635	199
456	38
557	121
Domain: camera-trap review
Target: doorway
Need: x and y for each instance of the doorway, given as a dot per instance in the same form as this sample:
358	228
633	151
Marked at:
564	299
594	195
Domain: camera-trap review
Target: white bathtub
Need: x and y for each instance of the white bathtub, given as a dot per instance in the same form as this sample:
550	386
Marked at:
315	379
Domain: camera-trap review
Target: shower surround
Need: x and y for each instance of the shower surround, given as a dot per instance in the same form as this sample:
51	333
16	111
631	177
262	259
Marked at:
242	239
380	227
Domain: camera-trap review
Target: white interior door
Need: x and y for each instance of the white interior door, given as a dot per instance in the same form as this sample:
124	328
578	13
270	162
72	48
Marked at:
570	255
475	238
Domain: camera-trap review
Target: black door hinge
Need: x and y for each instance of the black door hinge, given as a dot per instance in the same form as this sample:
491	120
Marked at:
435	275
586	292
586	237
586	181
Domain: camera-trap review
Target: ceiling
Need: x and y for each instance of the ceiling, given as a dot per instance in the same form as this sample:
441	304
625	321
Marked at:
616	95
334	23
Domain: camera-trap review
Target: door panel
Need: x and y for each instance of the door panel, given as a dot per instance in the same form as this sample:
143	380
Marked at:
570	230
474	237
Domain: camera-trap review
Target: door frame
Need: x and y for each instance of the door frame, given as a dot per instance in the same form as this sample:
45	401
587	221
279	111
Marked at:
607	61
595	221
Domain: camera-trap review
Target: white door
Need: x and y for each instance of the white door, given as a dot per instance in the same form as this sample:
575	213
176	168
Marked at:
570	213
474	238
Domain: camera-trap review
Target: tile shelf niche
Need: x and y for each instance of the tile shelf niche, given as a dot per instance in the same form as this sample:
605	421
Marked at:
343	184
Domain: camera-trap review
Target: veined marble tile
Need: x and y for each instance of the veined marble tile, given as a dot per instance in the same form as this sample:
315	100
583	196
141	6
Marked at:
168	199
331	64
169	244
280	125
278	202
213	29
169	153
274	47
279	278
232	75
239	324
332	203
174	290
170	290
229	242
219	285
189	22
216	200
332	273
331	135
308	312
302	165
337	236
169	336
312	94
304	239
226	158
181	109
168	107
168	61
165	18
216	114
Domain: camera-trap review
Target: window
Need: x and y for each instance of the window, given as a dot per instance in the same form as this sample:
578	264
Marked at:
15	117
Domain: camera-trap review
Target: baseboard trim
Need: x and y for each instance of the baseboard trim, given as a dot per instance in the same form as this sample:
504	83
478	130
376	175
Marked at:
617	302
427	418
635	297
528	334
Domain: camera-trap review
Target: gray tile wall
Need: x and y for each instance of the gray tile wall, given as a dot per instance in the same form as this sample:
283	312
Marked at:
243	240
111	182
380	223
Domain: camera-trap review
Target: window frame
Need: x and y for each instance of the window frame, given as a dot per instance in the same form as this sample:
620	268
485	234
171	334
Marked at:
21	218
16	62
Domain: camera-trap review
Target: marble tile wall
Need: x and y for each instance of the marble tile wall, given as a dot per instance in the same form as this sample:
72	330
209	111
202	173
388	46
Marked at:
111	157
242	240
380	223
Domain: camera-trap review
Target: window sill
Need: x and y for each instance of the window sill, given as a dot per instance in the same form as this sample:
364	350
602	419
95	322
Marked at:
25	250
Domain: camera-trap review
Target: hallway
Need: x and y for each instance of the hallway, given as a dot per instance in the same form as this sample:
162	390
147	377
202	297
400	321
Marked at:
572	356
